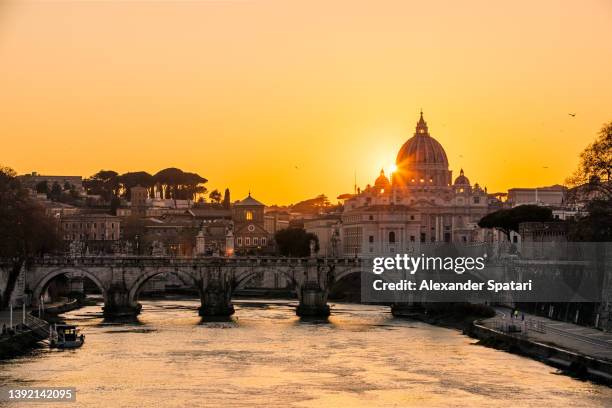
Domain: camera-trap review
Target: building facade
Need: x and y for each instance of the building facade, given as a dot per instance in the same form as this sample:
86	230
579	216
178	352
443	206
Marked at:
419	203
250	234
97	232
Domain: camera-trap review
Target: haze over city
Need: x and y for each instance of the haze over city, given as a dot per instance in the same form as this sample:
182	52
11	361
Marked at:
289	101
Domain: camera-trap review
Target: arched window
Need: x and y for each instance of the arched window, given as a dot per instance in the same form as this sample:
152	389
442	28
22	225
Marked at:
248	215
392	237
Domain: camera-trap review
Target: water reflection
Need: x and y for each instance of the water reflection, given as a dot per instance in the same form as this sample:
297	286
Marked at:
265	355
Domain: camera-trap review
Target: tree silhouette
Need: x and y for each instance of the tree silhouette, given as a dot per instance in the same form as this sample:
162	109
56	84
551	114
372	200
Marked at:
104	183
215	196
42	187
226	199
507	220
25	230
295	242
176	184
133	179
595	168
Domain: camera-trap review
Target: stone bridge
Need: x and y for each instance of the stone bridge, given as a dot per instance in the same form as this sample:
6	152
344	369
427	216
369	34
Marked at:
120	279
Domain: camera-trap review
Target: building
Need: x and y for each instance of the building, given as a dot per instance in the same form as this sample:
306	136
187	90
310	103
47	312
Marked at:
275	221
250	234
327	229
98	232
32	179
553	195
419	203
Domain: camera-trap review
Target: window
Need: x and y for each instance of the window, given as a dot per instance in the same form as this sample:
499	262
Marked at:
255	241
412	217
392	237
263	241
247	241
371	217
371	238
422	237
476	200
239	241
248	214
412	238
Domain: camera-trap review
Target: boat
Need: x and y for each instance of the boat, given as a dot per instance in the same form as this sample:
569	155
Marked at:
65	336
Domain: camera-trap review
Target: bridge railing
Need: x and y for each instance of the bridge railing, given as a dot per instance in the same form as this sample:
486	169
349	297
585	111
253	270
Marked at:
189	261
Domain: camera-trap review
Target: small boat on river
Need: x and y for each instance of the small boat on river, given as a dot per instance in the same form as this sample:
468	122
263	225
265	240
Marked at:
65	336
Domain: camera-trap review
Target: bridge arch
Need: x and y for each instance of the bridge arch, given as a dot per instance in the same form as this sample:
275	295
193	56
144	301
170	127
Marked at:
40	286
246	275
135	288
344	272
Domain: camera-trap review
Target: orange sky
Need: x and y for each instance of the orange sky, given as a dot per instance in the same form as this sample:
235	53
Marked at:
243	92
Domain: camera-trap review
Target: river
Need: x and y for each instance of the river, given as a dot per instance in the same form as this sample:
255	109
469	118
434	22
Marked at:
266	356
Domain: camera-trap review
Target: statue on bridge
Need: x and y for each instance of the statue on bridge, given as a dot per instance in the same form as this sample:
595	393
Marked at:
76	248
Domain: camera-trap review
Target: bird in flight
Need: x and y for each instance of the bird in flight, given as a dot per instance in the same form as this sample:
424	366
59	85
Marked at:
572	114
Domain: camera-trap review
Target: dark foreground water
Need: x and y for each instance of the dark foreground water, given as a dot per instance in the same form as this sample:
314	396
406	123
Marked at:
267	357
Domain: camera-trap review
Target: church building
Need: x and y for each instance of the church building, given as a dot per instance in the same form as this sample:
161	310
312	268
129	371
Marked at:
419	203
250	235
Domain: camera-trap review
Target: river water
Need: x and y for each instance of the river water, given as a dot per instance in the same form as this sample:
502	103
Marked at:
265	356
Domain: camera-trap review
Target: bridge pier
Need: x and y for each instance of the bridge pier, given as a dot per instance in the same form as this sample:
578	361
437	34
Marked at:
313	301
117	303
216	301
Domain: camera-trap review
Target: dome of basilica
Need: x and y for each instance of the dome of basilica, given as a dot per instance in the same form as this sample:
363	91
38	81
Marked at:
422	161
422	149
462	180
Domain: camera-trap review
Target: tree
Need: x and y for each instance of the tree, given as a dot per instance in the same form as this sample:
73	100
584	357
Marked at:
176	184
596	226
295	242
42	187
595	167
226	199
215	196
104	183
312	205
507	220
25	230
593	185
56	192
133	179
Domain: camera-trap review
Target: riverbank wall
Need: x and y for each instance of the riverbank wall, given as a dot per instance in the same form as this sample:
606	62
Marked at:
572	363
28	337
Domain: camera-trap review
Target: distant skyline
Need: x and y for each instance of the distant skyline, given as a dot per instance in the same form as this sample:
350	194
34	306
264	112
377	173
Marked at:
289	100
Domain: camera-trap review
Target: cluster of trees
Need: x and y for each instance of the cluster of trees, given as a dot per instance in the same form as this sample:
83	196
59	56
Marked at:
313	205
295	242
25	230
171	183
216	198
64	194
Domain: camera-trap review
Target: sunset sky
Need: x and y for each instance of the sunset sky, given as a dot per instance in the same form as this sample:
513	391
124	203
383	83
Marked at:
289	99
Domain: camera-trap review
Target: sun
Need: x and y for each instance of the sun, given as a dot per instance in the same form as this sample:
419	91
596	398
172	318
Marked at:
390	169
